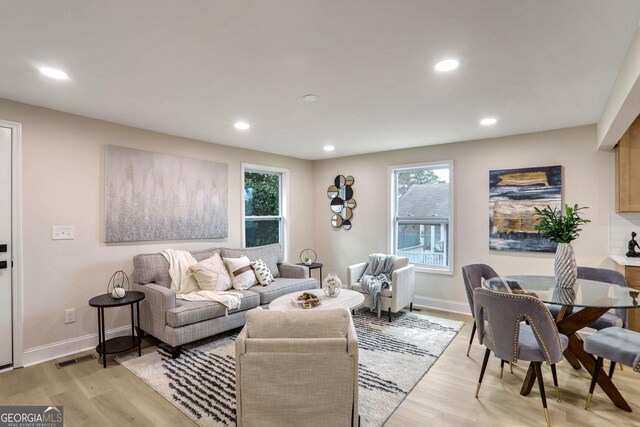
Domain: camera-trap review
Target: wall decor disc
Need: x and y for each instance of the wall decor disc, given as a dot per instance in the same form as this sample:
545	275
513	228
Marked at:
350	180
332	191
346	213
340	181
336	221
337	204
346	224
351	203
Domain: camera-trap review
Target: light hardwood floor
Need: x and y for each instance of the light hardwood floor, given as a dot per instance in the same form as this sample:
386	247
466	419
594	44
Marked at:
95	396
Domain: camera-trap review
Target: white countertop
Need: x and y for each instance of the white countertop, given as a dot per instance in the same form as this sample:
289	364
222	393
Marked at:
623	260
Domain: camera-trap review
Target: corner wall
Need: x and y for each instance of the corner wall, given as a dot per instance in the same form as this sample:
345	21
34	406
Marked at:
588	180
63	184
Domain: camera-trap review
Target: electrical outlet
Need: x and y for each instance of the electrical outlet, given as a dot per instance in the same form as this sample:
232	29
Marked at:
70	315
63	232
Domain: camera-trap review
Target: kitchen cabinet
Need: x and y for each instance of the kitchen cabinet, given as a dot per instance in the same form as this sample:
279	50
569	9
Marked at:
628	170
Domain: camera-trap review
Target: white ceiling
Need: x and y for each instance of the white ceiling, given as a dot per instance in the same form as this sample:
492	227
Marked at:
194	68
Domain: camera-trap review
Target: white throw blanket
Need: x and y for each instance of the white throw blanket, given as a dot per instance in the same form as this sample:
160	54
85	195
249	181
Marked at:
179	263
186	287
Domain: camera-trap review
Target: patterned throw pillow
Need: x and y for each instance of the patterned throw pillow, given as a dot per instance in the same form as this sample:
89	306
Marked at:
211	274
263	274
242	274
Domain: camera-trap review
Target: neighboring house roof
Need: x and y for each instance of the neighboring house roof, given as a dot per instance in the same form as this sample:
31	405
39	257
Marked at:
425	201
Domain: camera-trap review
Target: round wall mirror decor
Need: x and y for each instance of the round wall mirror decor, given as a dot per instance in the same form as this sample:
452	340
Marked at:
342	201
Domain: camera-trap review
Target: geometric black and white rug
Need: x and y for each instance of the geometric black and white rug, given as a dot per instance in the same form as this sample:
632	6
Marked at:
393	358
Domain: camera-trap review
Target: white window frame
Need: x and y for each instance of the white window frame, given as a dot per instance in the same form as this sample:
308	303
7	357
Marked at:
392	236
284	203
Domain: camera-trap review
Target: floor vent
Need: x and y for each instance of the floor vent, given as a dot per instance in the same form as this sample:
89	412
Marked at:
75	361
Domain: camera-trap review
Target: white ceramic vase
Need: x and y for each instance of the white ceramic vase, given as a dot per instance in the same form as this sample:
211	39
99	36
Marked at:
118	293
565	268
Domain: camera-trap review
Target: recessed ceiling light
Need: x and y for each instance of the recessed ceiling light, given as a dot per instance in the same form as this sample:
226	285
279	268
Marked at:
242	125
311	98
329	148
447	65
53	73
488	121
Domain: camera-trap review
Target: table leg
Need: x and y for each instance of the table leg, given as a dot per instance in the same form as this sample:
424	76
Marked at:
99	331
529	381
139	335
104	338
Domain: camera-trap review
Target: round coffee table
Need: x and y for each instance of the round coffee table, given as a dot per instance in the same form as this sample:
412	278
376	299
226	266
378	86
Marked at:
346	299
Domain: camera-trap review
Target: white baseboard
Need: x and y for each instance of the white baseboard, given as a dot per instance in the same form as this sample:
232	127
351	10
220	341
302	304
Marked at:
44	353
442	304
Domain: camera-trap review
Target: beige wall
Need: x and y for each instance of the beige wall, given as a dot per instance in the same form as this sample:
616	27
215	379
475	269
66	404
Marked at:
588	180
63	169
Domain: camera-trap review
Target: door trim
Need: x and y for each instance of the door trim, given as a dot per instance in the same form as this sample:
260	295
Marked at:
16	239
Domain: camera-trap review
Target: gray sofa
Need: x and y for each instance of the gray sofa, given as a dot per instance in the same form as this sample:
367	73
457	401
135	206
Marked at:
178	322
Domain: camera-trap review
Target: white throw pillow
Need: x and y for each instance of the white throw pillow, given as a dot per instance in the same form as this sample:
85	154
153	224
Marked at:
211	274
242	275
263	274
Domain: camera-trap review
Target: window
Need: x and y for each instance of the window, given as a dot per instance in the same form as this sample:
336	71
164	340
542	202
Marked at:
264	218
421	212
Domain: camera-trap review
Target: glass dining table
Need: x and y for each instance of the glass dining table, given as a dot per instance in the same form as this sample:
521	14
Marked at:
580	306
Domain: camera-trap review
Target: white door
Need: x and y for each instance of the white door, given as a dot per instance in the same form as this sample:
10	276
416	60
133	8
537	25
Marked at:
6	341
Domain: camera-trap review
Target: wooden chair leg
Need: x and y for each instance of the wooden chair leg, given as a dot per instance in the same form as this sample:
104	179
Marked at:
501	368
594	380
612	368
555	381
410	306
389	314
473	332
538	369
175	351
484	367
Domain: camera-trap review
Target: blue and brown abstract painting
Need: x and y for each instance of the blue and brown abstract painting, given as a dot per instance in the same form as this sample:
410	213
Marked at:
513	195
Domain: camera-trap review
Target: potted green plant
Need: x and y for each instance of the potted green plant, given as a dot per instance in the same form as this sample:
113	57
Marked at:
562	229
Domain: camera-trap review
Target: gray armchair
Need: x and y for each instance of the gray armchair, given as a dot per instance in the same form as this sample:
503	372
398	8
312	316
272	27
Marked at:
297	368
500	321
402	290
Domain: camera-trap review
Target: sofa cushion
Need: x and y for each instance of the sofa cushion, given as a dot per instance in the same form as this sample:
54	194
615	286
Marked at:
154	268
211	274
270	254
281	286
187	312
358	288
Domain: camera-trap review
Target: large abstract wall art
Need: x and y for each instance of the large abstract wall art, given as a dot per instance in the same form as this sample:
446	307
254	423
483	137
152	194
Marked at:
513	194
152	196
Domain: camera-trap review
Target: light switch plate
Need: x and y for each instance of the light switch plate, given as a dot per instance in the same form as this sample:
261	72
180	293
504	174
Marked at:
63	232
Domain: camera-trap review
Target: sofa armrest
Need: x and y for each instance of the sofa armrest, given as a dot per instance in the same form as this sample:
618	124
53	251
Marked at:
153	309
403	285
355	272
241	349
292	271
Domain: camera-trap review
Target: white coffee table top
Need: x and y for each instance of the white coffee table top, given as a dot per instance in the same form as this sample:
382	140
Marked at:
346	299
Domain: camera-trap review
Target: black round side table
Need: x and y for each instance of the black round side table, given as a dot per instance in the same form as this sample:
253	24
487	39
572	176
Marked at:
117	344
313	266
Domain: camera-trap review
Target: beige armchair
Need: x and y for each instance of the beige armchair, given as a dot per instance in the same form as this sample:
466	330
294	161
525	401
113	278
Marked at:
399	295
297	367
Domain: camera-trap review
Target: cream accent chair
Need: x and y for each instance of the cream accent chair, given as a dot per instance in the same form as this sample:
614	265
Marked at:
398	296
297	367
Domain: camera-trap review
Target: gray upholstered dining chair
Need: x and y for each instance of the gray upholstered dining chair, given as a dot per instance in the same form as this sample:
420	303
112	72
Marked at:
607	320
500	321
473	274
616	344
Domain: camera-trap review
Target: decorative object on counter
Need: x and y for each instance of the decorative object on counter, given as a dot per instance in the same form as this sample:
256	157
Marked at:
332	285
631	252
115	288
342	201
562	229
308	256
513	196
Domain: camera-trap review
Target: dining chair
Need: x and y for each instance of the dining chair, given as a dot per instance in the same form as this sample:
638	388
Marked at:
473	274
500	319
607	320
616	344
